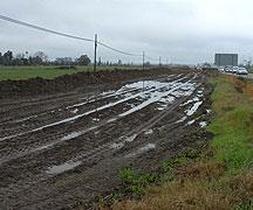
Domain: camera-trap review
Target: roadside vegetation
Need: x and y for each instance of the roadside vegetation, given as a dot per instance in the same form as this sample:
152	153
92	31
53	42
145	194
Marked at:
218	177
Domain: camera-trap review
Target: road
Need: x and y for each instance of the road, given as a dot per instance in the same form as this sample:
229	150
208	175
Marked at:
250	76
64	149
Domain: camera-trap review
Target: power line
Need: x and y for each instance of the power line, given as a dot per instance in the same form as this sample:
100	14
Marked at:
19	22
119	51
5	18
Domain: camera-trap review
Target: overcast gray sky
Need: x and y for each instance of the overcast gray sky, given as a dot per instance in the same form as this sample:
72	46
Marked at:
181	31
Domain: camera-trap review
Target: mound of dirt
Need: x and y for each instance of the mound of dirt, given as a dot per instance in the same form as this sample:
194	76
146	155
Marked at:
39	86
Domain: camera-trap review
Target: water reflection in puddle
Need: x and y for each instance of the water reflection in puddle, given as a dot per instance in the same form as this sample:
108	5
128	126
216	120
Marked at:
64	167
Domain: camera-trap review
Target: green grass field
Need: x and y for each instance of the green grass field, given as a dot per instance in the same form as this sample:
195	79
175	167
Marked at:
46	72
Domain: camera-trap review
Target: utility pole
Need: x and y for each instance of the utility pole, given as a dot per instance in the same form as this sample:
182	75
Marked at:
143	66
143	60
160	61
95	52
95	69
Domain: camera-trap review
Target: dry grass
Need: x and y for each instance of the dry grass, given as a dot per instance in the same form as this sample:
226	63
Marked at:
201	170
183	195
197	194
189	191
242	86
242	187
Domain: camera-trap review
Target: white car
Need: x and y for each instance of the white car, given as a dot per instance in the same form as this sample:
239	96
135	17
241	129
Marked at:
235	69
228	69
242	71
221	68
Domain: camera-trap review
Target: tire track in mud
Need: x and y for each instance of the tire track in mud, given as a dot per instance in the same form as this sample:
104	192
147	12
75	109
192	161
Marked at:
19	107
75	134
88	100
65	138
50	116
106	148
89	97
35	182
66	120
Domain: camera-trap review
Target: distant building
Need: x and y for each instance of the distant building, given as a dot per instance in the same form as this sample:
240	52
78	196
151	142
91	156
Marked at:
226	59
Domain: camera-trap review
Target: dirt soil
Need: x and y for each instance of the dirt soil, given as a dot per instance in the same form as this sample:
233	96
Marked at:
39	86
65	148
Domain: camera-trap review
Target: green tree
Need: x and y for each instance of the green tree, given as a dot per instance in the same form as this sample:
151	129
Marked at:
84	60
7	58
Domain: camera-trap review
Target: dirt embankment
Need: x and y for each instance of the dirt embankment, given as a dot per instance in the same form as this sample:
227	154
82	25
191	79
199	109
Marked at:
39	86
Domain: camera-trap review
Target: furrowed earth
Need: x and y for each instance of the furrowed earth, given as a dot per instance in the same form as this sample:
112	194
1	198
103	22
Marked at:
66	142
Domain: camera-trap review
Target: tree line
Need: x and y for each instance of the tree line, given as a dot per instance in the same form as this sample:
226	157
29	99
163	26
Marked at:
39	58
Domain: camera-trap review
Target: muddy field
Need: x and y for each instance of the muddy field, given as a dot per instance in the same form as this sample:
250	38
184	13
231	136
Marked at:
62	149
38	86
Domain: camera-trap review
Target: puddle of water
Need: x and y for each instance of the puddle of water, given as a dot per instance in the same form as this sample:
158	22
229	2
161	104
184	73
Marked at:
203	124
96	119
71	136
195	99
107	92
44	147
181	93
131	138
186	103
191	122
194	108
81	104
141	150
124	140
74	111
96	132
68	137
149	132
54	170
172	75
117	145
27	118
160	108
111	120
156	97
147	148
181	120
167	100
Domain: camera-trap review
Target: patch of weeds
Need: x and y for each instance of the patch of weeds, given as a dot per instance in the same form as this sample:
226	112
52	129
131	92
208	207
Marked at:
135	183
168	166
201	170
105	202
191	153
